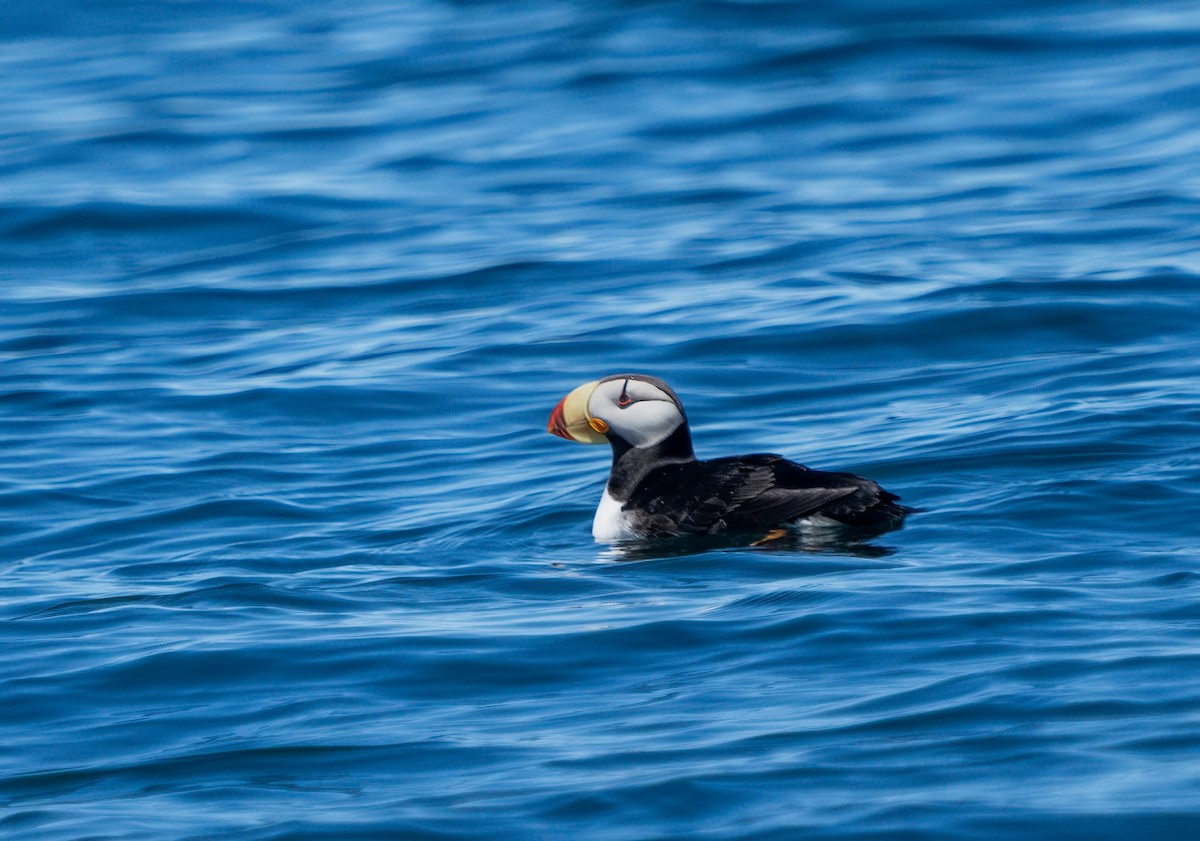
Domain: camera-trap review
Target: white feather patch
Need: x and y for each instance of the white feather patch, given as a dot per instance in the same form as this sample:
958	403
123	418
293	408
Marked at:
610	522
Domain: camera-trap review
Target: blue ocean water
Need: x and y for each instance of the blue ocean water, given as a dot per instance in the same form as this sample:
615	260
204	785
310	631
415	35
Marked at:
287	291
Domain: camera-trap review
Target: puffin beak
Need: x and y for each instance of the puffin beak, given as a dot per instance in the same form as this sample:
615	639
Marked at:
570	419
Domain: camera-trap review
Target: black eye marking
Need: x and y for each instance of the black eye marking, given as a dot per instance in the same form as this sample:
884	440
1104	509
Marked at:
624	400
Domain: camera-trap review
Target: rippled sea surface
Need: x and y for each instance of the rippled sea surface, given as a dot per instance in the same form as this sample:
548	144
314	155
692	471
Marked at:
287	291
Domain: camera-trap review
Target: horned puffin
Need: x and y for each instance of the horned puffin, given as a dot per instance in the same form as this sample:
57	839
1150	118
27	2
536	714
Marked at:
657	487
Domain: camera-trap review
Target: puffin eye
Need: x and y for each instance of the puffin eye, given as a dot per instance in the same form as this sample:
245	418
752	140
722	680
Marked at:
624	400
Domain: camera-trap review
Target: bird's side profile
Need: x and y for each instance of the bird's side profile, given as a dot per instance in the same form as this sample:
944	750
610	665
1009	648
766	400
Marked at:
657	487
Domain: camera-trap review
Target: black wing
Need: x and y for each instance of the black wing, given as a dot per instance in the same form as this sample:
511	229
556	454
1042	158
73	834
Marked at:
757	492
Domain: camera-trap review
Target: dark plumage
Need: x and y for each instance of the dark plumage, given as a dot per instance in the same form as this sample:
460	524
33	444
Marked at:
753	493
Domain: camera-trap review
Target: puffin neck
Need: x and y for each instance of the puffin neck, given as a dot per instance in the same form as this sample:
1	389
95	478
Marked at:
631	464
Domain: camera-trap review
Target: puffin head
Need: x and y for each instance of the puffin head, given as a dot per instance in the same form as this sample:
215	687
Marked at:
634	410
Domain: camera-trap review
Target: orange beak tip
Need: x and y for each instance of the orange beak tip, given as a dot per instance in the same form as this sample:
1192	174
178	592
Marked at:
557	425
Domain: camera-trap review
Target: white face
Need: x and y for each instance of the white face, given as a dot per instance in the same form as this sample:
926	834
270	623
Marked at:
641	413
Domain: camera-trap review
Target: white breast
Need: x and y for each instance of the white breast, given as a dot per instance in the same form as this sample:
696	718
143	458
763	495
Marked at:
611	523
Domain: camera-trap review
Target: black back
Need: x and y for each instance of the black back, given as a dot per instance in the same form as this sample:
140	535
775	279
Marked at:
753	493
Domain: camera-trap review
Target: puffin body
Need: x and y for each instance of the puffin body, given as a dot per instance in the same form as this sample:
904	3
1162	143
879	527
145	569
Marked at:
657	487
